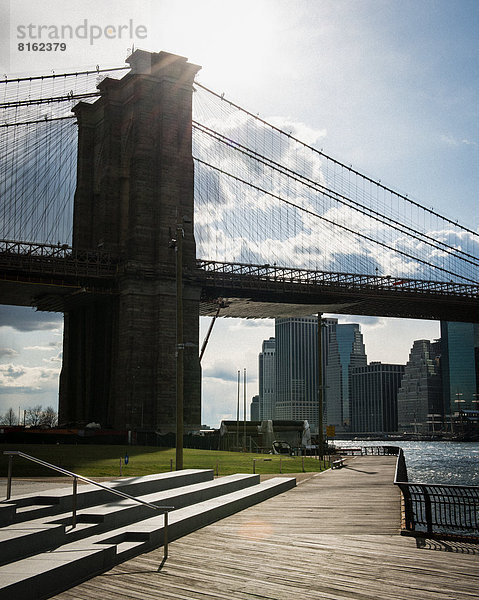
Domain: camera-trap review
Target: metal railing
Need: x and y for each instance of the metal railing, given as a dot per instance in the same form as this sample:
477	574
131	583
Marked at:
371	451
440	509
437	509
76	477
56	259
430	509
242	274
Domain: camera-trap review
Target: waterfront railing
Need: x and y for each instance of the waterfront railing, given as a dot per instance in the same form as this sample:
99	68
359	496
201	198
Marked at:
430	509
440	509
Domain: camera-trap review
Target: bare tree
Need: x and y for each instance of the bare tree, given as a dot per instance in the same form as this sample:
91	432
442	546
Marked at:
33	415
49	417
9	418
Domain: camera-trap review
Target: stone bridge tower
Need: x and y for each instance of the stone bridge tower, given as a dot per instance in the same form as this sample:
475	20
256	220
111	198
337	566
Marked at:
134	185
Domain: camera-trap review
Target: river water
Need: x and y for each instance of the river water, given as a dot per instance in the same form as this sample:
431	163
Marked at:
455	463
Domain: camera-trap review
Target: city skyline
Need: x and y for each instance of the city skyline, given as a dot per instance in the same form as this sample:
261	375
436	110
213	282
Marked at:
439	381
341	75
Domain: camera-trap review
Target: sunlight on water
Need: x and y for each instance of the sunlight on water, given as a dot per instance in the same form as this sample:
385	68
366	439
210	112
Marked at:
455	463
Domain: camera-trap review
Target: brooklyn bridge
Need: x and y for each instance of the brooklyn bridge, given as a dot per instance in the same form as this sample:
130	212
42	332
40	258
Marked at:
134	200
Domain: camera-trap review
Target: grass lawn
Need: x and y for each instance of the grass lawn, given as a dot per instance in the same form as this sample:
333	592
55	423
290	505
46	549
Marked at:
104	461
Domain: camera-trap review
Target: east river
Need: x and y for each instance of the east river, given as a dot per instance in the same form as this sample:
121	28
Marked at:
455	463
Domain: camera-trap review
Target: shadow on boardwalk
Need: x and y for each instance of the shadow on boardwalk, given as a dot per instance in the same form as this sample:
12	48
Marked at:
448	546
334	537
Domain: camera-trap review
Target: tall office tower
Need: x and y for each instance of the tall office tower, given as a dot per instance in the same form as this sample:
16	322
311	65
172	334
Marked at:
420	394
254	409
374	389
460	366
297	369
352	354
343	349
267	382
333	413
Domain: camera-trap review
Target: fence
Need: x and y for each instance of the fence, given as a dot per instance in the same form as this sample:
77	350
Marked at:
440	509
430	509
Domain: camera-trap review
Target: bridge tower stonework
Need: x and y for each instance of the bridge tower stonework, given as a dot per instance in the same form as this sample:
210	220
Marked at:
134	186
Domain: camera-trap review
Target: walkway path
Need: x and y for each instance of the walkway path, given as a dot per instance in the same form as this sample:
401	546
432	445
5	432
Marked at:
333	537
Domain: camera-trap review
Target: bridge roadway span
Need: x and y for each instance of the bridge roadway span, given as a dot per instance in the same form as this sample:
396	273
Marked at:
58	278
333	537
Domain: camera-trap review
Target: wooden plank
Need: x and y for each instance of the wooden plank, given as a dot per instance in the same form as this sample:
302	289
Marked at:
334	537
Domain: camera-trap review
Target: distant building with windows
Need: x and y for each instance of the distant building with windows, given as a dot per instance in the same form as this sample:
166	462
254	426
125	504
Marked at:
374	390
420	404
332	402
254	409
352	354
343	349
297	369
267	379
460	366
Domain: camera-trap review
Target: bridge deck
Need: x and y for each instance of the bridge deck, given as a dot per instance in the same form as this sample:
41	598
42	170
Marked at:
333	537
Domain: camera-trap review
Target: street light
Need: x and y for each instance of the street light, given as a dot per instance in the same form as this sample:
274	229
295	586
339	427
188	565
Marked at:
237	413
244	410
177	244
320	388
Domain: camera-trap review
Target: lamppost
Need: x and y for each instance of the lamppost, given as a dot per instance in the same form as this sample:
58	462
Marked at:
177	244
244	410
320	388
237	413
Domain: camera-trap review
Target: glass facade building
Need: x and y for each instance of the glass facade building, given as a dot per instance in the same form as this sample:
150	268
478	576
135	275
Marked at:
331	375
352	354
267	380
297	369
460	366
374	391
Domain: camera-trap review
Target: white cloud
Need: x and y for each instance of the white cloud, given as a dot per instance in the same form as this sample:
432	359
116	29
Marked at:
51	347
450	140
8	352
23	318
24	379
54	359
299	130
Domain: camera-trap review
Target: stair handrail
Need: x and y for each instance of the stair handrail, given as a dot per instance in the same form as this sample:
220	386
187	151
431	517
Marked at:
76	477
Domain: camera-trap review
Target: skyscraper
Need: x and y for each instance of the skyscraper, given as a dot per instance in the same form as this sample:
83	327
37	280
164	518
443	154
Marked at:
460	365
333	412
267	383
374	389
420	394
297	368
352	354
343	349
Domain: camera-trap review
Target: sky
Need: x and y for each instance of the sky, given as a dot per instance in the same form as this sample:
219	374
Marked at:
391	87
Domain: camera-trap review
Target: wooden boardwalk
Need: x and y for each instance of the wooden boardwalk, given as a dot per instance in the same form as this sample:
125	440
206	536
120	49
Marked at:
334	537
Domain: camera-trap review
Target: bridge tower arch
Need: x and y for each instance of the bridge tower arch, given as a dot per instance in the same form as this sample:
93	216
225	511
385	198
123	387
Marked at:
134	185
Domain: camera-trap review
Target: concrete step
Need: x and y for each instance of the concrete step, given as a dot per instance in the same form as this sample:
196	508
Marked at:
51	572
7	514
51	502
25	539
